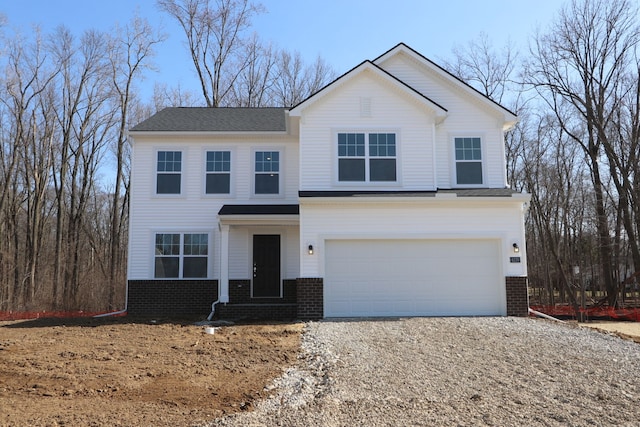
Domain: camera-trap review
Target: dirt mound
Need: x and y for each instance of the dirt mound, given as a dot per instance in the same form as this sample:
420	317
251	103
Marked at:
136	372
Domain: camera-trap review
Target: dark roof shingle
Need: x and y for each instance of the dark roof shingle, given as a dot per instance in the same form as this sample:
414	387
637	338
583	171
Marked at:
259	210
202	119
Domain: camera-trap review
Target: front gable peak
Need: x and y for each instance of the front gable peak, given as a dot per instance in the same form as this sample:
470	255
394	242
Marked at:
370	67
402	49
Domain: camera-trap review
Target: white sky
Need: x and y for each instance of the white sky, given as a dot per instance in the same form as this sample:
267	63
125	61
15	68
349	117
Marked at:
343	32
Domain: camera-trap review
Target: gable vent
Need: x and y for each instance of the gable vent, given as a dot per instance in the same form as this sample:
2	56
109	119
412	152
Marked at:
365	107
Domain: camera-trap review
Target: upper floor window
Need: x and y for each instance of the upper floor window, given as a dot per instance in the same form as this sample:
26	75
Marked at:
169	170
267	172
181	255
468	152
218	179
373	160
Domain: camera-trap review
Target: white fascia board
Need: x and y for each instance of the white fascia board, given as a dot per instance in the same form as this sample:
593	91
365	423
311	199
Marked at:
259	219
441	199
440	112
510	119
139	133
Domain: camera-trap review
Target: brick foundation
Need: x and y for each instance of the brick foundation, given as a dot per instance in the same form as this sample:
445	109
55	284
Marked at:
310	298
517	296
256	311
242	306
171	297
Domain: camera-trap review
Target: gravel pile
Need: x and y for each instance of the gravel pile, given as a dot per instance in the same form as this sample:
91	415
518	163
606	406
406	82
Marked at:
455	372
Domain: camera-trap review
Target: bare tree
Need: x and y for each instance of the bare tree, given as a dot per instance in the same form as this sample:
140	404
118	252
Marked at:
577	68
253	85
215	31
130	51
488	70
295	81
165	96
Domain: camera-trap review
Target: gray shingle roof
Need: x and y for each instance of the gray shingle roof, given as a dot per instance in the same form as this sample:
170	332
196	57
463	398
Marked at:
201	119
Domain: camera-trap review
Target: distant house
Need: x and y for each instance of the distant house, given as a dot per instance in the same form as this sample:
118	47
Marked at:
383	194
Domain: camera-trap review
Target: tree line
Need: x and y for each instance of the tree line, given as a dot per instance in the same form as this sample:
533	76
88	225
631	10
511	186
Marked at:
66	102
576	148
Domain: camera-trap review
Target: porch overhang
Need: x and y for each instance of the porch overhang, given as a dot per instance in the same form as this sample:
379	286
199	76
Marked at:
259	215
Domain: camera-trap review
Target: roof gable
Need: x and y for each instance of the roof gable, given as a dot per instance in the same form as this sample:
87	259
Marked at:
401	48
204	119
376	70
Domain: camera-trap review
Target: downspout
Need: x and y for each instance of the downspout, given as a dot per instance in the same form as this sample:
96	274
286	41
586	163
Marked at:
545	316
126	303
213	309
434	153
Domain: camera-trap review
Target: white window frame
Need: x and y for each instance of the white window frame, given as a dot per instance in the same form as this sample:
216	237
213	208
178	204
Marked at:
182	172
281	161
232	173
454	162
367	158
181	254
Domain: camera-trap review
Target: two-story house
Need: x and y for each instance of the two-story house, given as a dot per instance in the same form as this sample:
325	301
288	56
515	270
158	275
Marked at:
383	194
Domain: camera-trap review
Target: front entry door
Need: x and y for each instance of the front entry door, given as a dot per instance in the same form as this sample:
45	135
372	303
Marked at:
266	265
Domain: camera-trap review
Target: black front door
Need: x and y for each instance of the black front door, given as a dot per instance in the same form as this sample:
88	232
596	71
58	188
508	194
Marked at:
266	265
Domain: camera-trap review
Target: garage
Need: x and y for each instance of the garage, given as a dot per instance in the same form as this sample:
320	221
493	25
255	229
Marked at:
406	277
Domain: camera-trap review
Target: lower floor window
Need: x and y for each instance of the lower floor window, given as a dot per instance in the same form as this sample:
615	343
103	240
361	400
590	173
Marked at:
181	255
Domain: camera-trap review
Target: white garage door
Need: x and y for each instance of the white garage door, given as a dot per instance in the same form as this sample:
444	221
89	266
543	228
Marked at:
413	278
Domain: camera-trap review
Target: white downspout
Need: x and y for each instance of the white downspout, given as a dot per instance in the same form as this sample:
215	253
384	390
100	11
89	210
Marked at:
126	303
434	154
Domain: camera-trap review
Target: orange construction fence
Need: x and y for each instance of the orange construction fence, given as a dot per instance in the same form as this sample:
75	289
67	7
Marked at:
629	314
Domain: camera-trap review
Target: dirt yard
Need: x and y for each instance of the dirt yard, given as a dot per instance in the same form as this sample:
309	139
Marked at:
139	373
626	330
133	373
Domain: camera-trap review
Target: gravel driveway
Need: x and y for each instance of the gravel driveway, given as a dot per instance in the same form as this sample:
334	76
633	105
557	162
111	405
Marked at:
455	372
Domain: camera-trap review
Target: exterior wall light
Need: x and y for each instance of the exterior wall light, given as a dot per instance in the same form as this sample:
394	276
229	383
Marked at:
516	248
310	249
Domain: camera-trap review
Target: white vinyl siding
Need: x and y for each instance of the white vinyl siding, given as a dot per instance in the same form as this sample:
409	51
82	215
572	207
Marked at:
417	219
392	111
465	115
197	211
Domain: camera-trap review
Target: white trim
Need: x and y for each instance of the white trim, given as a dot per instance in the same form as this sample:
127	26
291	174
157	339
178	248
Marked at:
509	118
454	164
280	149
282	232
232	173
434	156
368	66
154	179
366	184
260	220
181	232
223	285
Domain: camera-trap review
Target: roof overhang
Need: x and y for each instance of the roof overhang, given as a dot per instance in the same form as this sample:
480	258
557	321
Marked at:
259	215
479	195
510	118
368	66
